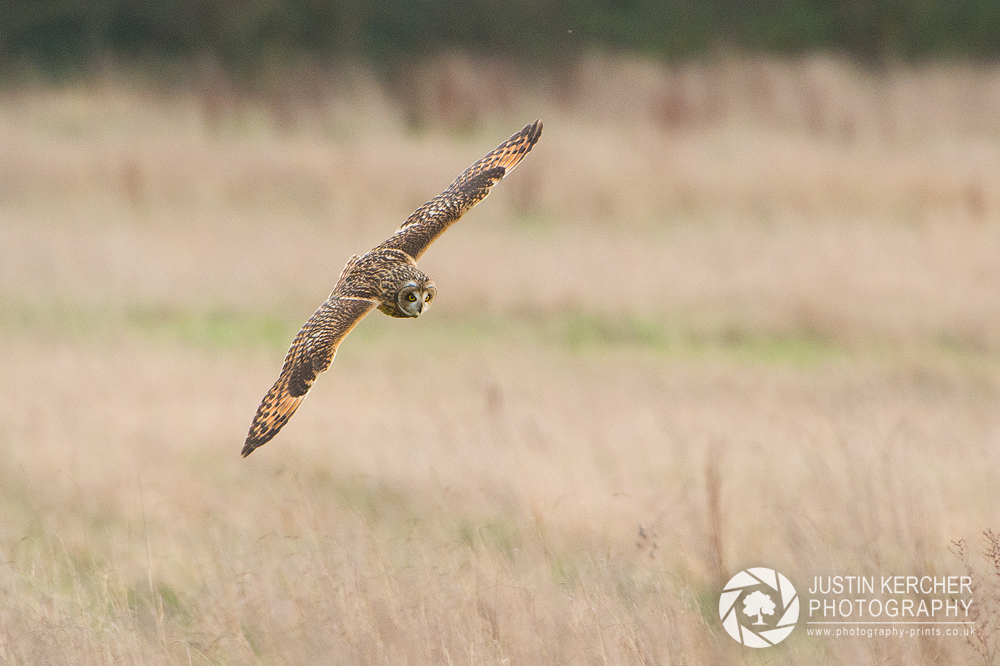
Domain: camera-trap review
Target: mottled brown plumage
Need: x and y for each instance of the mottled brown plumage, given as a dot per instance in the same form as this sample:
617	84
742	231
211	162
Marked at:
387	277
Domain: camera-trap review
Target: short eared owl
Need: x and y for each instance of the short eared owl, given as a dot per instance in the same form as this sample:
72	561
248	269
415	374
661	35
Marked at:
386	277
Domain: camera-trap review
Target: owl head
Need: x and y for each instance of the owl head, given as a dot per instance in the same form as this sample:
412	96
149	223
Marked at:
415	296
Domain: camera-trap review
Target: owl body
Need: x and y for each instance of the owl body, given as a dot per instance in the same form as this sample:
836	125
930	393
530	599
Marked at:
390	278
386	278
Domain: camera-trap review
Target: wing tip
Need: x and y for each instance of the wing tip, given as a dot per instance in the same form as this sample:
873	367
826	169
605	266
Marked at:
259	436
256	441
277	407
510	153
534	130
529	134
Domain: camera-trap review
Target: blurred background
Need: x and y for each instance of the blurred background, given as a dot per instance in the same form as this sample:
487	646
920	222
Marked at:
740	306
246	36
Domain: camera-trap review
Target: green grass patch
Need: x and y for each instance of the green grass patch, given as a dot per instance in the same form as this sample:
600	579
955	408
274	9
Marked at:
790	347
63	319
213	328
576	331
571	330
217	329
588	331
375	503
250	634
564	571
499	535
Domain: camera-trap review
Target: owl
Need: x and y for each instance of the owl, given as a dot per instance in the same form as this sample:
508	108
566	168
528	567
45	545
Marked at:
386	278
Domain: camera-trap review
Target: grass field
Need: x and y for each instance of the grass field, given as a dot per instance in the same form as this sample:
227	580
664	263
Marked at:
726	315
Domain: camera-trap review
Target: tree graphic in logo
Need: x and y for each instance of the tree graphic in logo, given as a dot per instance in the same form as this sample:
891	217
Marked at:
763	592
756	603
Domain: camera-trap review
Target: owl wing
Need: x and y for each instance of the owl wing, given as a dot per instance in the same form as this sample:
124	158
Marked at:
430	220
311	353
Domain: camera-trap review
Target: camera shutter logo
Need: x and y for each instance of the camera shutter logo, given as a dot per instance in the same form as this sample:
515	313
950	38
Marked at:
748	597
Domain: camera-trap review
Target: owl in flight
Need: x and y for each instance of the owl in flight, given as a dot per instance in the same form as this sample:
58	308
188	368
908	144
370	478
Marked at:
386	278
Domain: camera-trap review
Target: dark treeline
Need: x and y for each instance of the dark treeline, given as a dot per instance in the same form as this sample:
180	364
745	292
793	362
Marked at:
247	34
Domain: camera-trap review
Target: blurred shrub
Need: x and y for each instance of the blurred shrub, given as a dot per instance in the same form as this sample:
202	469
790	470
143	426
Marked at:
245	35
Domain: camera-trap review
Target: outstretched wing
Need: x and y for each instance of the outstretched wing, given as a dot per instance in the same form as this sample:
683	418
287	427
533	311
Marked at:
311	353
430	220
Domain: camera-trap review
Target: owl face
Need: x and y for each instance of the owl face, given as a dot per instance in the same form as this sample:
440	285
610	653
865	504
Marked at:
415	297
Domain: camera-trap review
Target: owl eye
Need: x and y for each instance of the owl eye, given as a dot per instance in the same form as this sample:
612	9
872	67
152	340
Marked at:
411	297
427	298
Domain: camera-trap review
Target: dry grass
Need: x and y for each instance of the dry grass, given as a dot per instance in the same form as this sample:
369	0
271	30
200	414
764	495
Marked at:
725	315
